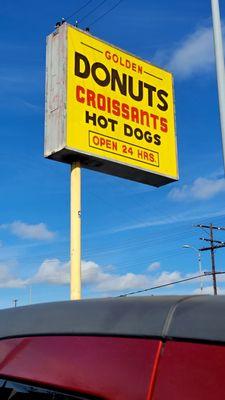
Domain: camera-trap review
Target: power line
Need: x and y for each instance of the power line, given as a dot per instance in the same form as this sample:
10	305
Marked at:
78	10
168	284
207	233
105	13
93	10
128	244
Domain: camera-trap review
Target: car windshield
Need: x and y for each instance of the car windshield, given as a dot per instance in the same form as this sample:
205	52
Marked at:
10	390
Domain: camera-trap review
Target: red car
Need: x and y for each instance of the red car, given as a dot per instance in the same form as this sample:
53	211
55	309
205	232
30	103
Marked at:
145	348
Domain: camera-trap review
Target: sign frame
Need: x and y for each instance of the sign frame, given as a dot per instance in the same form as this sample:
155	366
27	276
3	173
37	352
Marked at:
56	146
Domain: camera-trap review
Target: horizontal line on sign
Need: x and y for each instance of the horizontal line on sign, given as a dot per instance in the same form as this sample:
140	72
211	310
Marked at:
93	48
157	77
122	155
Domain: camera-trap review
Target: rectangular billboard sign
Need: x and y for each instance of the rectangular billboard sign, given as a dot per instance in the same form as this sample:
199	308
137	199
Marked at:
108	109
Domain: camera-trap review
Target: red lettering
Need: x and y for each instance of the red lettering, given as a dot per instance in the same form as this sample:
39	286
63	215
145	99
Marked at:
115	58
121	62
125	111
108	144
96	140
124	62
145	155
144	118
163	124
155	119
140	153
101	102
116	108
102	142
134	67
114	146
108	55
80	90
108	105
91	98
151	157
134	114
127	64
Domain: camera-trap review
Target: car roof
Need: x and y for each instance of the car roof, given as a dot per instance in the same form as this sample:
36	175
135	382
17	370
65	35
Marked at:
179	317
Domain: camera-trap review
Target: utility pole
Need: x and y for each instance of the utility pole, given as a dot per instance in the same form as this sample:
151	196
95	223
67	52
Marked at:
15	302
213	260
212	248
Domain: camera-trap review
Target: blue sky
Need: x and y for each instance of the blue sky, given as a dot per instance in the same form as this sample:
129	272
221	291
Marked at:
132	234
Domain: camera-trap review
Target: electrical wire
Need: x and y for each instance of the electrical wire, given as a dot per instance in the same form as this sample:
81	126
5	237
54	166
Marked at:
169	284
93	10
107	12
129	244
78	10
126	245
205	231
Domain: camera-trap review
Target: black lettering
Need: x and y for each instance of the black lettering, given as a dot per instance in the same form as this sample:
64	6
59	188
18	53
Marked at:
148	136
89	117
128	131
157	140
151	89
138	134
101	82
84	73
161	94
120	82
113	123
139	96
102	121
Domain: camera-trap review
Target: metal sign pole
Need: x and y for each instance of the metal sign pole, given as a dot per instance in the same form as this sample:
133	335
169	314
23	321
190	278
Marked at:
218	42
75	232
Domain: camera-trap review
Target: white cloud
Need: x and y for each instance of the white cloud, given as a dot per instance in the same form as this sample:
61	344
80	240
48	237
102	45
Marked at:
189	215
94	277
52	271
168	277
200	189
56	272
92	273
123	282
7	279
208	290
153	266
195	55
29	231
98	279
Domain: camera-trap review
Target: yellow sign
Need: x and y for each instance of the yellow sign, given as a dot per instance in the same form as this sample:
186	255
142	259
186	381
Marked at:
119	111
